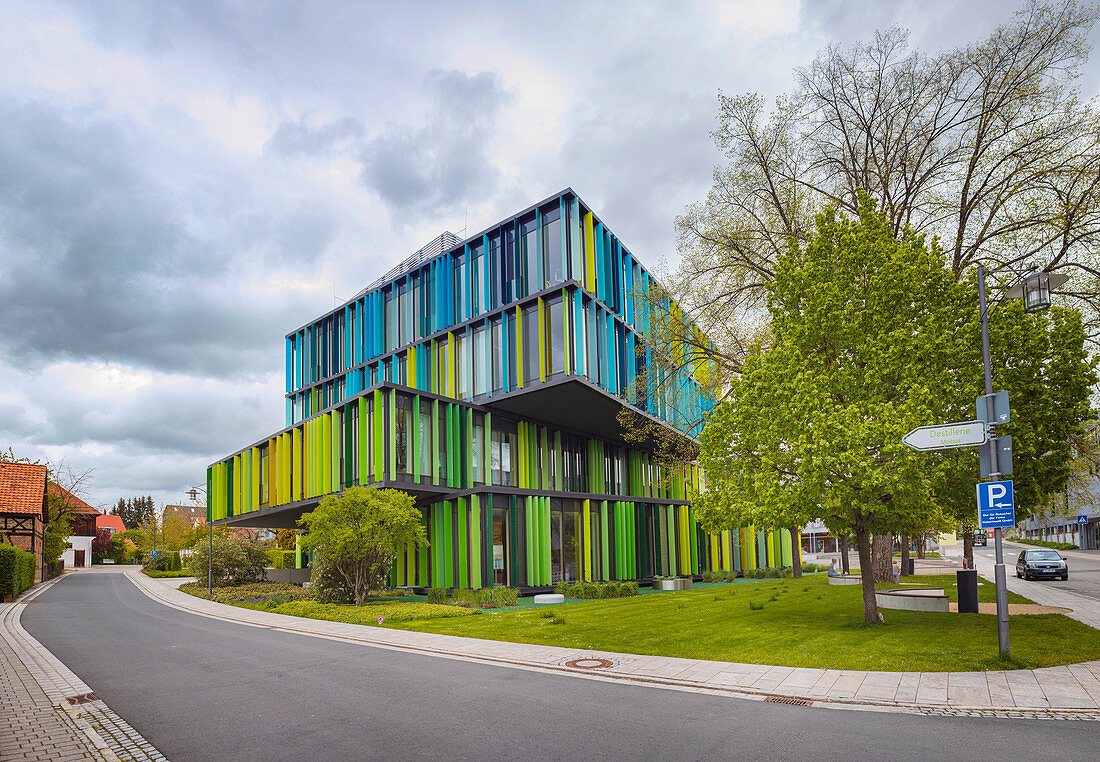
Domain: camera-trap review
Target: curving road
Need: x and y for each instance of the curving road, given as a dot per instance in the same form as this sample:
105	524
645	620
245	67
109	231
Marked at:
202	689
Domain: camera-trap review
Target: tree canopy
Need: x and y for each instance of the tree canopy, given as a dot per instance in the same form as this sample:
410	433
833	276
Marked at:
360	531
869	340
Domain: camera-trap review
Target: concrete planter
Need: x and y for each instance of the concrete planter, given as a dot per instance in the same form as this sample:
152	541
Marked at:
913	599
847	579
680	583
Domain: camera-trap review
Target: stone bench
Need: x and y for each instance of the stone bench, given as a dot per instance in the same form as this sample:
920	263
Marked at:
913	599
846	579
549	598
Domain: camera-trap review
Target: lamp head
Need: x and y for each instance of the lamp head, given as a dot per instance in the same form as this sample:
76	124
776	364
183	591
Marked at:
1035	289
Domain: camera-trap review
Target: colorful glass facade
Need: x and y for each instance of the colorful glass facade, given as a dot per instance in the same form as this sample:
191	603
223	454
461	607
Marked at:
484	376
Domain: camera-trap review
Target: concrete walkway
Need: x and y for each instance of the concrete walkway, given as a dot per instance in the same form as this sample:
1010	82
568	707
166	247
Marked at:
1070	692
46	711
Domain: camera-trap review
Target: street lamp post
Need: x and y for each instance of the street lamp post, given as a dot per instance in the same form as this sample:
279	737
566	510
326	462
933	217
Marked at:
1034	287
193	493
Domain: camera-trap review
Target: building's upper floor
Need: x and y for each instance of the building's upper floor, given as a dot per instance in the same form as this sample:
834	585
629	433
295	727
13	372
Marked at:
546	293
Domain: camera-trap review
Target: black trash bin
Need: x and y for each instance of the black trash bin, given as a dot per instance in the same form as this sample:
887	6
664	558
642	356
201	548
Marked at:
912	566
968	590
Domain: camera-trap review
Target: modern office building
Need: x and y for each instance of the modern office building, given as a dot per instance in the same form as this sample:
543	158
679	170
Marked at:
484	376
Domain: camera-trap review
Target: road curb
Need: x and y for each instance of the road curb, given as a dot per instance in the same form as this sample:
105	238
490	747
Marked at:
294	625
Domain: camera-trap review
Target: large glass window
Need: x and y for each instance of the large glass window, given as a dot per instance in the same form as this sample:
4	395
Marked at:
404	321
511	289
481	361
460	287
500	547
551	247
498	355
555	337
477	459
531	344
476	278
505	455
462	366
425	433
403	435
529	255
391	320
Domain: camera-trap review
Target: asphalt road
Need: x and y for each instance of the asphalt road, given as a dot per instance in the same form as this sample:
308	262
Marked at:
1084	570
202	689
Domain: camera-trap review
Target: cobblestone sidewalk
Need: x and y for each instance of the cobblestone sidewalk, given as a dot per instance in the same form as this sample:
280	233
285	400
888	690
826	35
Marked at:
1071	692
47	712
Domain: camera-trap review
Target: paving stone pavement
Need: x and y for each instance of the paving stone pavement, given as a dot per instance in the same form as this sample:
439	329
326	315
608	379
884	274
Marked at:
1065	693
37	720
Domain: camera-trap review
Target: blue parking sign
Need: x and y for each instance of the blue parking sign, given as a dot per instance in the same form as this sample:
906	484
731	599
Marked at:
154	554
995	505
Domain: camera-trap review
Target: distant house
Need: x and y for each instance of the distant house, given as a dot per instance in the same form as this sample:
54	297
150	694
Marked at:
23	508
82	520
110	522
193	515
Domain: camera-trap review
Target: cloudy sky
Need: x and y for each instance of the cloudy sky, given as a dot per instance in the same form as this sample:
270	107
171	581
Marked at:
183	183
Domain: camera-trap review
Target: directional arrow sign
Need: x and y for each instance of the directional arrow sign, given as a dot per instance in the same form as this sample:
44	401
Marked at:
965	434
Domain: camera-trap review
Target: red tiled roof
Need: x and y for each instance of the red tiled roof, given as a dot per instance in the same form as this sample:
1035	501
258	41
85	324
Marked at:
22	487
72	502
109	521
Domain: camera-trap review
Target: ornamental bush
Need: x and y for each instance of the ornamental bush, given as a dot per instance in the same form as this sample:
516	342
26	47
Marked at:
236	561
495	597
594	590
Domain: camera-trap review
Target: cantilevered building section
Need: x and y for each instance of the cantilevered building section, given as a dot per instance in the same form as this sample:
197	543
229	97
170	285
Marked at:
485	376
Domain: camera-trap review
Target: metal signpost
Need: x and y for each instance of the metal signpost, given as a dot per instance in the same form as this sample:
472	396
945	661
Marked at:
965	434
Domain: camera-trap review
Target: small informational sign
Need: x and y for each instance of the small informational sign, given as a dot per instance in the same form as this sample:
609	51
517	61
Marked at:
964	434
1001	413
995	505
1082	519
154	554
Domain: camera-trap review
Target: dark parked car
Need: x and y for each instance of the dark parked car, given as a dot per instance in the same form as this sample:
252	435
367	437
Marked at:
1041	563
979	538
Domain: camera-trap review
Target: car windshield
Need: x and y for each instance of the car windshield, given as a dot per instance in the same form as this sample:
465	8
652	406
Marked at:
1043	555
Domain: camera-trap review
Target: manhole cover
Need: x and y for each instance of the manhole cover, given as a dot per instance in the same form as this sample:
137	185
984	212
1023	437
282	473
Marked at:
588	663
81	698
788	700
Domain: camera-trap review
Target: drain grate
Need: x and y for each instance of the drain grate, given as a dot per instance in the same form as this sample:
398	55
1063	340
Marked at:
588	663
788	700
82	698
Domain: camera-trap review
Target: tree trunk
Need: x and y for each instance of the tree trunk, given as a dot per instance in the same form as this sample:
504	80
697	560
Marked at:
882	553
863	545
796	551
844	554
968	547
905	554
921	541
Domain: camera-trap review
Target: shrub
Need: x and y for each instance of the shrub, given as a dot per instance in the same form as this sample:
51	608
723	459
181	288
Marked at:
495	597
281	559
236	561
328	585
437	595
753	606
592	590
16	571
1051	545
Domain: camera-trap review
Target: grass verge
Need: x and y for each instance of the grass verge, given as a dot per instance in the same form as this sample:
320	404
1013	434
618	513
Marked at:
793	622
162	574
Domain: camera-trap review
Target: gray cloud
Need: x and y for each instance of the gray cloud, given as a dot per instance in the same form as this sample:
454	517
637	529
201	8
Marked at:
438	166
101	260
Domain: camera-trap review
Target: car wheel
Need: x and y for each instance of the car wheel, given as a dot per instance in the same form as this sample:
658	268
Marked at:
1018	575
1027	576
1065	576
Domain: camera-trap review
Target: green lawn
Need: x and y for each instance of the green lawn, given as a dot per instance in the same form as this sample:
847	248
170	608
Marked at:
987	591
808	624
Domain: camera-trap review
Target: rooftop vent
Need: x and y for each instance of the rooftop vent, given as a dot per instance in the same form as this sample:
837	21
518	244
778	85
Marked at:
445	241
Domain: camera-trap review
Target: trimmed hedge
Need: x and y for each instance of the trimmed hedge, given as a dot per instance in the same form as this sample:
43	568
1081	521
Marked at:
282	559
1045	544
16	571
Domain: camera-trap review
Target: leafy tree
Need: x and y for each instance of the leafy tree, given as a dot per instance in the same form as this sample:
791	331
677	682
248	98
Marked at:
284	539
174	532
987	147
101	545
360	531
134	511
236	560
860	355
